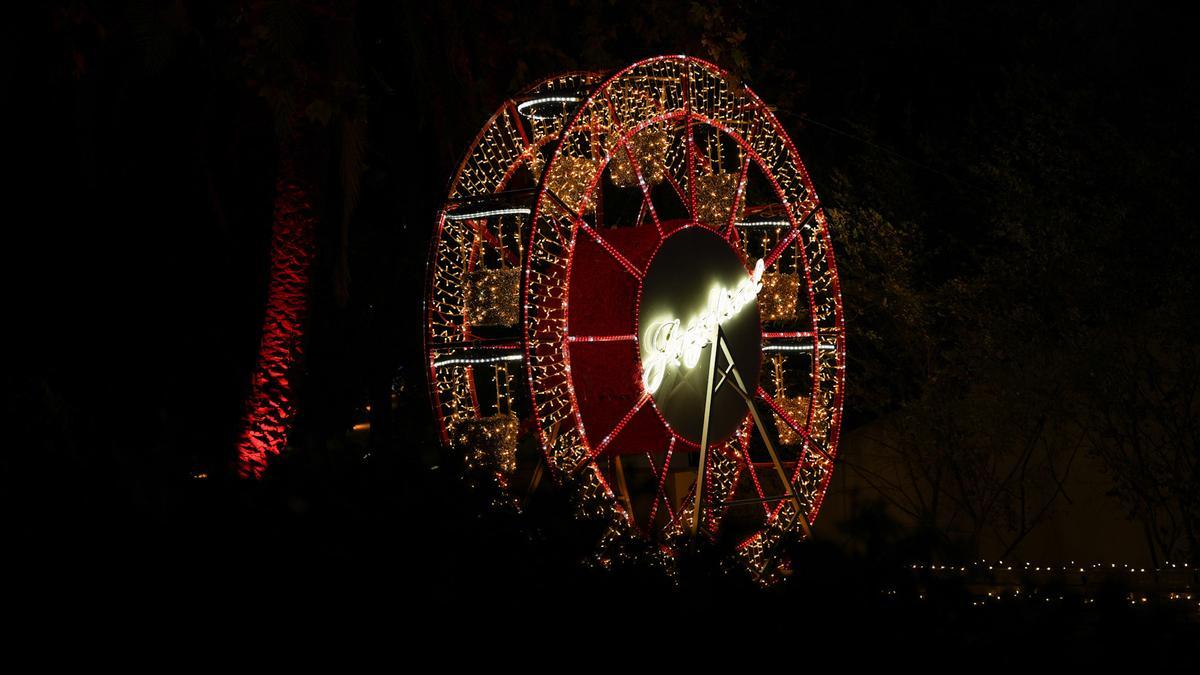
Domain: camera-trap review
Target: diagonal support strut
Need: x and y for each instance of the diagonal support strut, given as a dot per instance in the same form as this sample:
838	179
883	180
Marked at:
739	386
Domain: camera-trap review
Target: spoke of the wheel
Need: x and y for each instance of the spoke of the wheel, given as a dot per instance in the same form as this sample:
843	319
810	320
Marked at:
646	201
691	165
616	430
754	476
637	169
679	191
791	237
654	505
691	145
770	401
612	250
738	194
776	252
563	205
660	491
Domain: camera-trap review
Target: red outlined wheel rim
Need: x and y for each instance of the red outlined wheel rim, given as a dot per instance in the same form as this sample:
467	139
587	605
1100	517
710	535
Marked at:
685	107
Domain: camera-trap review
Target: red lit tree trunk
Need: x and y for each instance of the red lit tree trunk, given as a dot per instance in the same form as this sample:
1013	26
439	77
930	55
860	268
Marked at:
264	425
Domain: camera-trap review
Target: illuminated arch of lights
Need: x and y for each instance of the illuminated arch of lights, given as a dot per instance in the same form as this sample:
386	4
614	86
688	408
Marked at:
534	284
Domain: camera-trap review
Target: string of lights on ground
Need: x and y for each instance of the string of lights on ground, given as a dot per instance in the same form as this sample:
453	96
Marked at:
994	582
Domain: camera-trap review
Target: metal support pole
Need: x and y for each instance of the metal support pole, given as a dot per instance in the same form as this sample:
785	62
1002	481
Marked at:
698	507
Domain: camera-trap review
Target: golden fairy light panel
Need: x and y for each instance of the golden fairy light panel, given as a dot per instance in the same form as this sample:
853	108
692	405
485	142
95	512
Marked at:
535	279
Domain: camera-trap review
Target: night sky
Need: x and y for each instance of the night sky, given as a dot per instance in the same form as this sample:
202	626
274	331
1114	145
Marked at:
1011	189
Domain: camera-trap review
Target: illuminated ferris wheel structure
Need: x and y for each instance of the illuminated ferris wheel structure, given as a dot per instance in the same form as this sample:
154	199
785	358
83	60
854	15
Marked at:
632	291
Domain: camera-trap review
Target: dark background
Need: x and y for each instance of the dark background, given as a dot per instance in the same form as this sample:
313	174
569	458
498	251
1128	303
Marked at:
1012	187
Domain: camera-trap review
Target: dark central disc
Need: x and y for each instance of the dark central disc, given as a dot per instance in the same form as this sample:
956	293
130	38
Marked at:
677	286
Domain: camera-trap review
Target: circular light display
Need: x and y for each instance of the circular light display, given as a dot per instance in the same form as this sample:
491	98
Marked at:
599	231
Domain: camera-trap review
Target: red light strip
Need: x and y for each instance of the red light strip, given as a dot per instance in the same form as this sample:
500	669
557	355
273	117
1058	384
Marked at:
781	247
792	335
600	338
662	483
691	143
679	191
612	250
762	393
637	169
738	194
617	429
754	477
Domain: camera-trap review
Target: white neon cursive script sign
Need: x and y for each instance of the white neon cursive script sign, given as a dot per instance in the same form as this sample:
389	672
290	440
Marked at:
669	345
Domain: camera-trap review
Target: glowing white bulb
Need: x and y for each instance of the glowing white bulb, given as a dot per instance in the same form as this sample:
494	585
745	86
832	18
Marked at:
477	361
525	107
485	214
